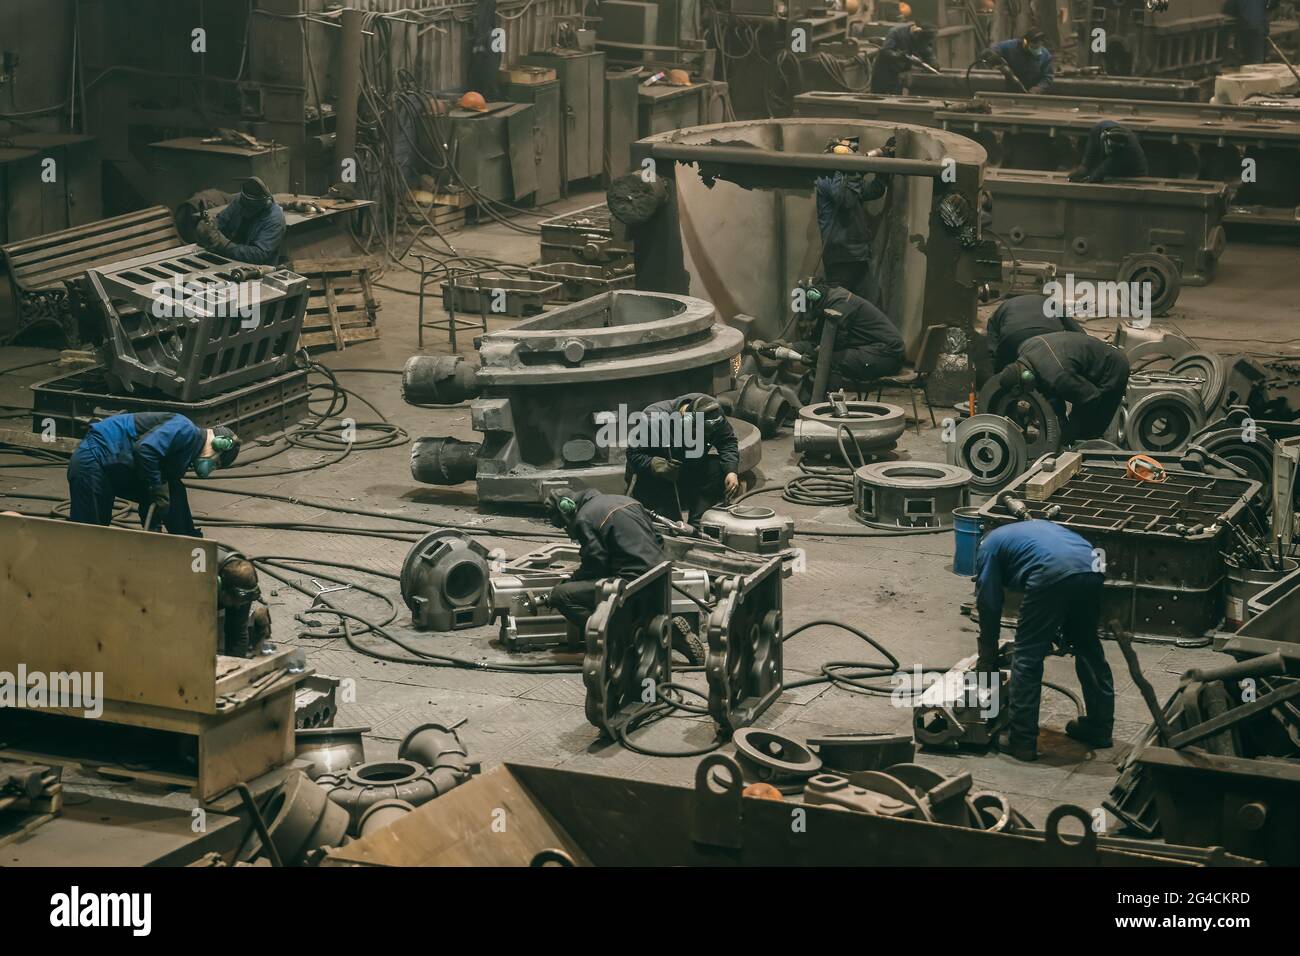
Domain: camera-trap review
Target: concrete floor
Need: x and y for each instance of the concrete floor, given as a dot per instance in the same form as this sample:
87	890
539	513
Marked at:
901	591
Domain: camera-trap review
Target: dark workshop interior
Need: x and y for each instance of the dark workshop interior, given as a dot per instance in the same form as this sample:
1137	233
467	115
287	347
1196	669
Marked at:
598	433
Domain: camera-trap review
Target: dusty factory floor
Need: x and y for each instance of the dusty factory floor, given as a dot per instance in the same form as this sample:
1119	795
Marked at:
901	591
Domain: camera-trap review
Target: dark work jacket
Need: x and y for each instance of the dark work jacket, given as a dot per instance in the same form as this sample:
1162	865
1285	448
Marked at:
638	459
841	218
1016	321
1033	70
891	62
1075	368
1099	166
615	537
154	447
256	240
1251	14
863	325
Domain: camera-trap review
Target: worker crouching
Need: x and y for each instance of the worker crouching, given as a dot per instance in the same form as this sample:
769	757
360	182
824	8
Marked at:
689	460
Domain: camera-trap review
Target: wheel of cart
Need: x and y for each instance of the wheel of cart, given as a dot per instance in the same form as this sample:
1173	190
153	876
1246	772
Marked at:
1160	272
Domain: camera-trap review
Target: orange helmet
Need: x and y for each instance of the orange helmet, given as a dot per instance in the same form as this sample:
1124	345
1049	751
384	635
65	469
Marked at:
679	78
905	11
473	100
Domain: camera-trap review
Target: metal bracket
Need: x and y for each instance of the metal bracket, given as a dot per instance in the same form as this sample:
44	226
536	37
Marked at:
629	643
745	665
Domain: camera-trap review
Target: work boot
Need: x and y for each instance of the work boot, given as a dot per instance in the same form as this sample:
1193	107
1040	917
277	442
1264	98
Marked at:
1024	752
1089	734
686	643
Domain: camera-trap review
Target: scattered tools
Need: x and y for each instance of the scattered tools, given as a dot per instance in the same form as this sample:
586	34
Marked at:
1125	641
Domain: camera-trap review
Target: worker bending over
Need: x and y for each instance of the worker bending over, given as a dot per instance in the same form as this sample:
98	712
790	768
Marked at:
1024	60
1081	370
1019	319
1112	152
903	44
842	220
249	229
677	471
1054	569
867	345
142	457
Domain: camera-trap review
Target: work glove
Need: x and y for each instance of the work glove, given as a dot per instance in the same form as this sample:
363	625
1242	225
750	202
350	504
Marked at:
206	232
161	497
665	468
890	149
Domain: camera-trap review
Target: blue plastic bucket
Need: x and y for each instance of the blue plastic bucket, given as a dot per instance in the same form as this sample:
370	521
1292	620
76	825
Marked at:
967	527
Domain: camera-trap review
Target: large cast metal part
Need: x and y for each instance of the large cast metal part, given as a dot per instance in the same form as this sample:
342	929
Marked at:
1248	448
1158	353
381	815
824	428
765	756
739	208
567	815
1212	372
962	82
210	331
330	749
751	528
1029	411
853	752
1187	39
763	404
438	380
991	448
909	494
960	709
301	819
444	582
744	663
1098	230
1161	544
360	788
315	702
1162	420
543	383
1181	140
629	648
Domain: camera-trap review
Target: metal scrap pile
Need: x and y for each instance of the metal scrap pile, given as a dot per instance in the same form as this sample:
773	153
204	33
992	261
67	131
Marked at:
1220	764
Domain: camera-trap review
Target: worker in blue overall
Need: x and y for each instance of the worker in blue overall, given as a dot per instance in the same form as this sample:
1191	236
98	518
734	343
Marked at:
142	457
903	46
250	229
1055	569
1026	59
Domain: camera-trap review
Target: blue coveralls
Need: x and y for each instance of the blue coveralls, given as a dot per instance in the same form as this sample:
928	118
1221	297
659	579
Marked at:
891	62
1033	70
1252	29
256	239
125	456
1053	567
845	231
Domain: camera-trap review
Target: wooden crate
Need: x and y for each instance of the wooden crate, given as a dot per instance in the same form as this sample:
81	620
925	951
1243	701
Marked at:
341	307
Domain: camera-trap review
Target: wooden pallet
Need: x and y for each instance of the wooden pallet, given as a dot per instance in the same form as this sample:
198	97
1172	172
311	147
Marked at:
446	217
341	307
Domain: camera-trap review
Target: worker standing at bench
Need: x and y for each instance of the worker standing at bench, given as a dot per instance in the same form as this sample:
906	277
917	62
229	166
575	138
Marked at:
903	44
249	229
1112	152
1054	568
142	457
1081	370
1025	59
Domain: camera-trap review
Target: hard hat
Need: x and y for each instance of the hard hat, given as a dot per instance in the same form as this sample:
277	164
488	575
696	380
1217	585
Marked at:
905	11
679	78
473	100
851	6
